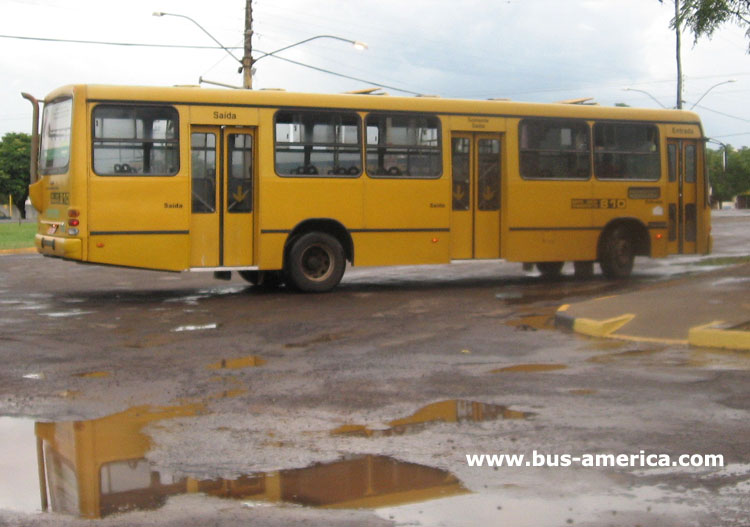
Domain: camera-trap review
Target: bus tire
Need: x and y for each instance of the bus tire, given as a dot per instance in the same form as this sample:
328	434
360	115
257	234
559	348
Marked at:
617	253
315	262
550	270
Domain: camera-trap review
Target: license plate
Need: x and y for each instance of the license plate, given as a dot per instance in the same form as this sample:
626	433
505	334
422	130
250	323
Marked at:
52	229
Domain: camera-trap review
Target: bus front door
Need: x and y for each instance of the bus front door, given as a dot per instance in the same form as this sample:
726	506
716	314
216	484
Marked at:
682	195
476	161
222	196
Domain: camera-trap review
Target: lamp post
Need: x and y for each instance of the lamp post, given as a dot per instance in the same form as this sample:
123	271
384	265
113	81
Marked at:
708	90
356	43
647	93
247	61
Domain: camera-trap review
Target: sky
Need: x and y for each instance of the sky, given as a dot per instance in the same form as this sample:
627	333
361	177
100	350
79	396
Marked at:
525	50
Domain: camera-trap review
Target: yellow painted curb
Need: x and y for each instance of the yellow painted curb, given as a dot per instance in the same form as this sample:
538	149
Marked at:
711	336
24	250
601	328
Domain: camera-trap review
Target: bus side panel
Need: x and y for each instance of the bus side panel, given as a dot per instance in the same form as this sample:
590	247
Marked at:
545	220
139	221
407	221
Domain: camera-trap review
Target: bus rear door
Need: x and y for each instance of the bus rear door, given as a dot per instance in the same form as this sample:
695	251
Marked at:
222	196
475	218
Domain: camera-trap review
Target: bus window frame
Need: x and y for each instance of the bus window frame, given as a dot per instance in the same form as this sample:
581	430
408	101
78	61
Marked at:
60	170
177	140
359	144
439	140
657	154
589	152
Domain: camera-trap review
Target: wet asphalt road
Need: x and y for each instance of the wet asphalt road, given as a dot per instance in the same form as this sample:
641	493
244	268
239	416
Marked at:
275	375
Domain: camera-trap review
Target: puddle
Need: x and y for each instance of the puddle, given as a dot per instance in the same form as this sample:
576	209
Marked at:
533	322
452	411
529	368
93	374
202	327
237	363
634	353
116	477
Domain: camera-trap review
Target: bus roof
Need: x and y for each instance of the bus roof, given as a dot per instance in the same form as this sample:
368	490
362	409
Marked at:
366	102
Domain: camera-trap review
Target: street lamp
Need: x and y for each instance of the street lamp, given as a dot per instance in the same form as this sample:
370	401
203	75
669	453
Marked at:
161	13
249	61
356	43
647	93
708	90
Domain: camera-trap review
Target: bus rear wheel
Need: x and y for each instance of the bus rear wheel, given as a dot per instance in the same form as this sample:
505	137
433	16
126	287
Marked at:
617	254
550	270
315	262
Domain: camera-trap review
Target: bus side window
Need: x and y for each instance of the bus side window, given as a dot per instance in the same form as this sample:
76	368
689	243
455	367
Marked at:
318	143
135	140
403	146
626	151
554	149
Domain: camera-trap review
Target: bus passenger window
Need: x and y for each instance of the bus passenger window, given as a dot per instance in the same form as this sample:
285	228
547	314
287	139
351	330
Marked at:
554	149
403	146
240	182
318	143
626	151
135	140
203	172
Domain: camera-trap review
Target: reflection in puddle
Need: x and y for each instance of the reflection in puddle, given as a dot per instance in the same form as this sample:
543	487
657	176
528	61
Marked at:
454	411
96	468
530	368
237	363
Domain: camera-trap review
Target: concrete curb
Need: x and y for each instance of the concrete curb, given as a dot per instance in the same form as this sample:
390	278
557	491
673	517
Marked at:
711	335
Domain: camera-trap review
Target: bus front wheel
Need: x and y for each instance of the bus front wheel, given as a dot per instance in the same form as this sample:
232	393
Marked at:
315	262
617	254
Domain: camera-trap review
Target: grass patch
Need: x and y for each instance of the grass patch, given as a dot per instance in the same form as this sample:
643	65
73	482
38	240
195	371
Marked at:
16	236
724	260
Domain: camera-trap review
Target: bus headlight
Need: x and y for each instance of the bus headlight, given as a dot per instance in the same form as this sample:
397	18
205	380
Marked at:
73	231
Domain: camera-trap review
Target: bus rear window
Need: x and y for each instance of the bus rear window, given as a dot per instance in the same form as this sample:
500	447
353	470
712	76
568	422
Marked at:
135	141
55	146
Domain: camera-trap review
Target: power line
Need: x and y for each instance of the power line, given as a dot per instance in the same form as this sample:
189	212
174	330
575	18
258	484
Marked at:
104	43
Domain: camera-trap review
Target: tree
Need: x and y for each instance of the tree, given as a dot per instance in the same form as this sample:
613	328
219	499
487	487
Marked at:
727	181
15	154
703	17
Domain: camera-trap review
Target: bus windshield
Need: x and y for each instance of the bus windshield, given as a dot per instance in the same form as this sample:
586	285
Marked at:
55	147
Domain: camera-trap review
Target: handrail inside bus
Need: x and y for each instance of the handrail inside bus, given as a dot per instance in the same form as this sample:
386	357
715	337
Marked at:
34	168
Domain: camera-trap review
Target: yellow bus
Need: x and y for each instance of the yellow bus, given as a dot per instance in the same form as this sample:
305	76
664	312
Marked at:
290	187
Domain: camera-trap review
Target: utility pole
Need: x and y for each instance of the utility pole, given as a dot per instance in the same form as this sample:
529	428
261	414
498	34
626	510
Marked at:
679	60
247	58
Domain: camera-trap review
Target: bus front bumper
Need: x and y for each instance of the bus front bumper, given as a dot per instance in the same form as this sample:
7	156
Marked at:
58	246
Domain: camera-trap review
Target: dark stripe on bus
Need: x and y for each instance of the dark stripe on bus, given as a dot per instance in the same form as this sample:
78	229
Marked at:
117	233
288	231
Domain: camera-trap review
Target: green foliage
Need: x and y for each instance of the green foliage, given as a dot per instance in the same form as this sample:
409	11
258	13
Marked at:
15	152
703	17
734	179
